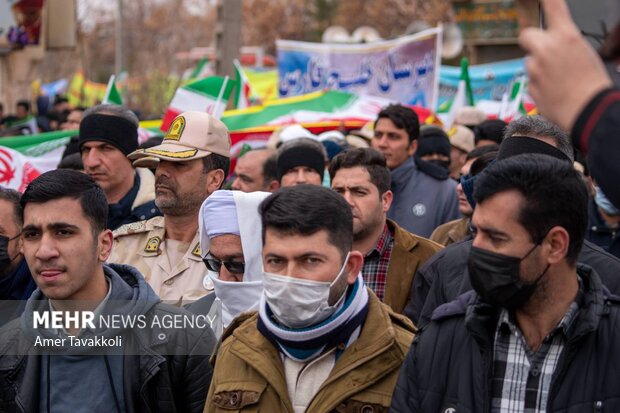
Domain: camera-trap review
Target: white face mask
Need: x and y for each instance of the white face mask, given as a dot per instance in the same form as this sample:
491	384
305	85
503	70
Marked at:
299	303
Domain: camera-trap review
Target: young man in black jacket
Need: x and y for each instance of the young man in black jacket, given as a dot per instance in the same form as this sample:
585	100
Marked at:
131	357
535	333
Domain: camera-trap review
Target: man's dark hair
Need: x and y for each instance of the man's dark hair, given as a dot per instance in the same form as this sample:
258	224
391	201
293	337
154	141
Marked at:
481	150
270	169
482	162
24	104
538	127
371	160
306	210
215	161
60	99
491	130
67	183
555	195
13	197
403	118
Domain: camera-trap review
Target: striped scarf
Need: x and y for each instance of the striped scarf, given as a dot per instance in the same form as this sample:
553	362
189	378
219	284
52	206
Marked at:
304	344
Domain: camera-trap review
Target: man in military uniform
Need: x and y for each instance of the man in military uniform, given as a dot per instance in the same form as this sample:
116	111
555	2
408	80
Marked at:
191	163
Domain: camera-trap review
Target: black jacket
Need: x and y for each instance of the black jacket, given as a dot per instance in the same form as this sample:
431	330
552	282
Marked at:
600	233
444	277
597	133
167	370
450	362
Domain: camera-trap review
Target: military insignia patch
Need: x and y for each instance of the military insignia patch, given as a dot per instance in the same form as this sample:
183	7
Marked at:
176	129
196	250
152	245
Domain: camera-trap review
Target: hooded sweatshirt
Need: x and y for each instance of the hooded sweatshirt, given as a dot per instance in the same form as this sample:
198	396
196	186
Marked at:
421	202
90	379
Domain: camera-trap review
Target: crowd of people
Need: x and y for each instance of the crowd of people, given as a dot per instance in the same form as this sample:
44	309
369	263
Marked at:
49	116
402	267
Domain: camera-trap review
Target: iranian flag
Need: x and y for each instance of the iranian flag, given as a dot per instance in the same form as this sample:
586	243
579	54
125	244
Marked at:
210	95
24	158
318	112
112	95
463	97
512	106
242	90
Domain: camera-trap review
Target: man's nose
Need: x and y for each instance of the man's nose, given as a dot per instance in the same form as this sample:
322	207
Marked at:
46	249
301	176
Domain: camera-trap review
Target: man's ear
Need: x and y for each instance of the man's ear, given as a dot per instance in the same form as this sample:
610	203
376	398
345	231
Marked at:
215	179
413	146
105	240
273	186
354	266
386	201
556	244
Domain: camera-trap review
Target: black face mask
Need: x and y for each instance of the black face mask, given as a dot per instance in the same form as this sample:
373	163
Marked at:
5	259
442	164
495	277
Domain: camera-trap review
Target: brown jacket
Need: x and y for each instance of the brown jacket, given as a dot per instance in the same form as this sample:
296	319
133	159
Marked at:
249	374
408	254
451	232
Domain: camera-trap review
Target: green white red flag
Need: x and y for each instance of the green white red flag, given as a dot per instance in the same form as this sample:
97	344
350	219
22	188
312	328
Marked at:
201	95
243	92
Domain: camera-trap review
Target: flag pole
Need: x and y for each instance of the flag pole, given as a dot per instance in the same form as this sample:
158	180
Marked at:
219	99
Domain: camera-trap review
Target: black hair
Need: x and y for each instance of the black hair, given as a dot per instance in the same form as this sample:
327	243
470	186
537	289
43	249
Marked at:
215	161
60	99
482	162
25	104
554	193
403	118
306	210
610	50
270	169
491	129
481	150
68	183
13	197
371	160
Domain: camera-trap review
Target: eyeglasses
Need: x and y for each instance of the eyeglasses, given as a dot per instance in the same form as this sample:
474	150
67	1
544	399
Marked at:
215	265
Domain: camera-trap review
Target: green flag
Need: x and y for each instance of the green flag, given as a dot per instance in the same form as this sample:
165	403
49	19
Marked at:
112	96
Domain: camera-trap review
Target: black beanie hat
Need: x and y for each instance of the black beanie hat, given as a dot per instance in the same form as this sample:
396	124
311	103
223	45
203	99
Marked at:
300	156
433	140
118	132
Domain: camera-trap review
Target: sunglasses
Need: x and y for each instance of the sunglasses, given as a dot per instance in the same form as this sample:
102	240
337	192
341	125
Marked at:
215	265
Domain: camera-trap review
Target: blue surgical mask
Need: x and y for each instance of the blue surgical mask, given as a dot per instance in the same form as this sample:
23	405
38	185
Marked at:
605	204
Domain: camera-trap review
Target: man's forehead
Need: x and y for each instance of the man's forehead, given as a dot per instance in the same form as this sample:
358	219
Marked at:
67	210
98	144
355	176
387	123
499	210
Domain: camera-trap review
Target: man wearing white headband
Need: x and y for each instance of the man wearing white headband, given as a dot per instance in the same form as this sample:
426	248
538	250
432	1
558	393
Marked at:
321	341
230	226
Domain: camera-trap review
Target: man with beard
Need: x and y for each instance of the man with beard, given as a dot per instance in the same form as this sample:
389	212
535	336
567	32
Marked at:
108	133
392	255
190	164
534	333
16	283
